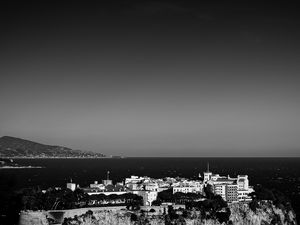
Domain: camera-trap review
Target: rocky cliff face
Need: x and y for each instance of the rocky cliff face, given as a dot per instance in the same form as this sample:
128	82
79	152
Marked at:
265	213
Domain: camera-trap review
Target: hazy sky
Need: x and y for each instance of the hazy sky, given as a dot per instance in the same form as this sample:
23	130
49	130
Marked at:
153	78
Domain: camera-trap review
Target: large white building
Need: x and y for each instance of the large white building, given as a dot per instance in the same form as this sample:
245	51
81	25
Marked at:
231	189
231	192
220	189
145	187
243	188
243	182
108	190
188	187
97	185
135	179
71	186
151	186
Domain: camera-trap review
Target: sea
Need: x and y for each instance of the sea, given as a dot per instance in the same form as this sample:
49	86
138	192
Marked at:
279	173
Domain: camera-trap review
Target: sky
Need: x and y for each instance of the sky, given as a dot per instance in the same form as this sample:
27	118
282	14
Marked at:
153	78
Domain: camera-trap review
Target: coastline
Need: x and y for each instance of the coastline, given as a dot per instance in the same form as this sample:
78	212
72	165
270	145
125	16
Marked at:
22	167
108	157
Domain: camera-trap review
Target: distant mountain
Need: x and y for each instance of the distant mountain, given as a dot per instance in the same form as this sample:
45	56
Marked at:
17	147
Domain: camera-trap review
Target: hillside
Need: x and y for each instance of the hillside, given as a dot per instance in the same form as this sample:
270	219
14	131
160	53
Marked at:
17	147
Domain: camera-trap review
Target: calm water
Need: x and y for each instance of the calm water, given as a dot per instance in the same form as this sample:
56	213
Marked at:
280	173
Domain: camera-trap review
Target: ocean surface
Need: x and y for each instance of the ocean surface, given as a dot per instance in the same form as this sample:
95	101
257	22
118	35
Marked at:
280	173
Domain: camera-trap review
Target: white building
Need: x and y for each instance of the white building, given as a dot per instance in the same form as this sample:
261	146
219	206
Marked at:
188	187
151	186
243	182
231	189
220	189
71	186
207	176
231	193
134	179
243	195
97	185
148	196
185	190
228	191
98	192
107	182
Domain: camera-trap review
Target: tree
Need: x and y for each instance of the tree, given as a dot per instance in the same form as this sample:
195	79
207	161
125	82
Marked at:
133	217
223	217
253	205
156	202
171	212
208	190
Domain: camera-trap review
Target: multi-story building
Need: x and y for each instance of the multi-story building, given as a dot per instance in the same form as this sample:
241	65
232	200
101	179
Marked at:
243	195
188	187
231	189
231	193
220	189
108	190
71	186
151	186
97	185
135	179
243	182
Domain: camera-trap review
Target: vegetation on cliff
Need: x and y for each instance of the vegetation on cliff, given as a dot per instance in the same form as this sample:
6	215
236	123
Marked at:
240	214
267	207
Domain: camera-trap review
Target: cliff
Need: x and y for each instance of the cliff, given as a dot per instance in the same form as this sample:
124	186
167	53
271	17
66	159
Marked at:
241	214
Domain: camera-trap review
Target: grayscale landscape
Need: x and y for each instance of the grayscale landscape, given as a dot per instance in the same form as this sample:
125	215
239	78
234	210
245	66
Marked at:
149	112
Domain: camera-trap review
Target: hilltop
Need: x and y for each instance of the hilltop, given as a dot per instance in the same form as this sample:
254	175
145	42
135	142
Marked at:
17	147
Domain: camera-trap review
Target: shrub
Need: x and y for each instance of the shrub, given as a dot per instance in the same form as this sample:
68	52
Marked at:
253	205
133	217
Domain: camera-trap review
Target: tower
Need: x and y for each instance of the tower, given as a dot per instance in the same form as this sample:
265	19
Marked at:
207	175
107	181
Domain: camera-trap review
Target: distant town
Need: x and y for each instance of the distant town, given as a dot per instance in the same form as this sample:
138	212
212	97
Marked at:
231	189
209	199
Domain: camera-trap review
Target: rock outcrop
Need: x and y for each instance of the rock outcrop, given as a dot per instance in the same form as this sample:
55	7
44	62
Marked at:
241	214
